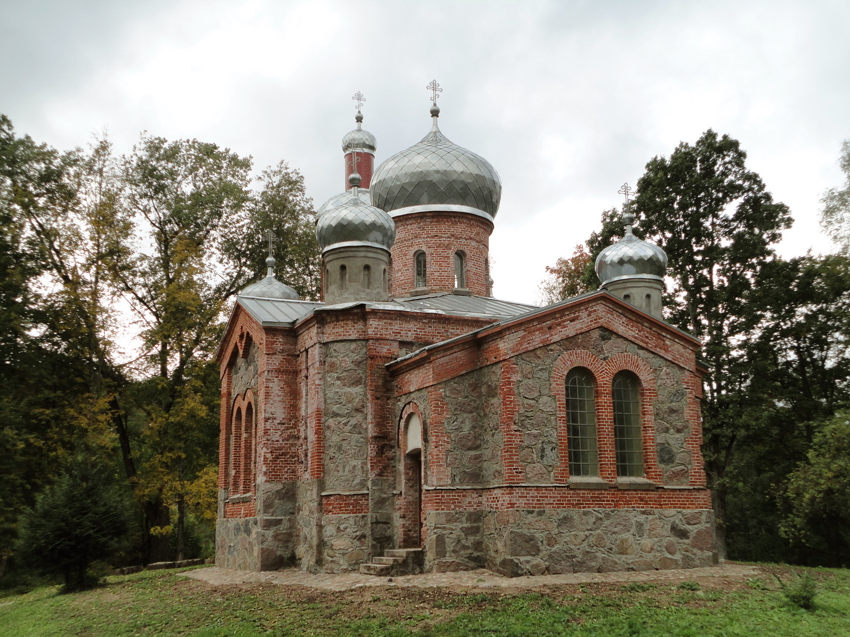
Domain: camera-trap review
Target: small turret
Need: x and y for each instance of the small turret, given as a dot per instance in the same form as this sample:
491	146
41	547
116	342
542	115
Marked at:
633	269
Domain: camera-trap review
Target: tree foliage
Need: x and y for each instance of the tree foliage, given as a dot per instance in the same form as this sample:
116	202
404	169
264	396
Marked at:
835	217
79	518
567	277
817	497
100	250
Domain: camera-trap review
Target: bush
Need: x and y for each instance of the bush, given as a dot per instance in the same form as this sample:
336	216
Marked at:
800	592
79	518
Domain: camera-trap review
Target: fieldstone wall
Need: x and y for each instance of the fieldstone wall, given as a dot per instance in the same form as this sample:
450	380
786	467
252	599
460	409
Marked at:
237	540
454	541
345	429
277	524
536	542
345	542
472	424
308	517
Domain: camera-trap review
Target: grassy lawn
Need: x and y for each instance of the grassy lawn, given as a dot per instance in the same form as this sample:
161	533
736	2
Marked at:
161	602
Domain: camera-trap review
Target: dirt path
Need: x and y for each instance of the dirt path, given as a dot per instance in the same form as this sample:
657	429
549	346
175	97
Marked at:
478	579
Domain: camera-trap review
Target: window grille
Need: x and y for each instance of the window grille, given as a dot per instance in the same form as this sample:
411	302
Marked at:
581	422
628	440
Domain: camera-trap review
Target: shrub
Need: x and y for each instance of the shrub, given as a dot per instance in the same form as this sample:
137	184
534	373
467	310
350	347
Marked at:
800	592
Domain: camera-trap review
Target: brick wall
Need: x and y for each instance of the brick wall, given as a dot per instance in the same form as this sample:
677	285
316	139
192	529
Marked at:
440	235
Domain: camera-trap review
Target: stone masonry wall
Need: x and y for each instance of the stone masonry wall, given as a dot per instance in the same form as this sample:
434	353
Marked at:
529	542
345	428
345	542
237	540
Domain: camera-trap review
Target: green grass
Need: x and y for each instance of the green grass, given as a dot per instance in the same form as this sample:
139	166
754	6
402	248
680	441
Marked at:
161	602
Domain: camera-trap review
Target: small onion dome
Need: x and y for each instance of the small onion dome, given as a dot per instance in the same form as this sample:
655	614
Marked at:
270	287
630	258
336	200
436	174
353	222
358	139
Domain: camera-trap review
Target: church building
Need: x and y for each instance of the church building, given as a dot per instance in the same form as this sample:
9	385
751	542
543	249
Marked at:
410	421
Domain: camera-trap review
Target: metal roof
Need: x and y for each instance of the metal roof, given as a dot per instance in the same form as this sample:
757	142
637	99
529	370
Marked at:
276	312
466	305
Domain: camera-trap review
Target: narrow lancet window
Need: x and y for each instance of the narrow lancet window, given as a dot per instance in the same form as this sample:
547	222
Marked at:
367	277
460	269
628	441
343	277
421	270
581	422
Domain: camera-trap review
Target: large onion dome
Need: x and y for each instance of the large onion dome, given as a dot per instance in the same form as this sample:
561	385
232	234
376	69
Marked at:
630	258
353	222
358	139
269	287
436	174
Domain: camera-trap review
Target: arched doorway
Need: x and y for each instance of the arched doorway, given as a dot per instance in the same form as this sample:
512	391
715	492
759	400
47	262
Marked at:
411	513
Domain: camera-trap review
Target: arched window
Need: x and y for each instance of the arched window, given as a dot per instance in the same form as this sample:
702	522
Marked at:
581	422
460	269
236	433
248	453
421	269
343	277
367	277
625	390
384	277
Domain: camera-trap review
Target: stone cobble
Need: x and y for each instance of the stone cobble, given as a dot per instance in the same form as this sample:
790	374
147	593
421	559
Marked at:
479	578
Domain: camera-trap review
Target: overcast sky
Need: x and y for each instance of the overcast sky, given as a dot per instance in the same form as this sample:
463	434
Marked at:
566	99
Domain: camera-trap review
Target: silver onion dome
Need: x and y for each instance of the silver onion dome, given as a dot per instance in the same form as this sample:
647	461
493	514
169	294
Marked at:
630	258
269	287
436	174
336	200
353	222
358	139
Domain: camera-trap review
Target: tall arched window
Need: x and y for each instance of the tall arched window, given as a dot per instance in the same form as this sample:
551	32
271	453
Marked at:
343	277
421	269
581	422
367	277
625	390
248	453
460	269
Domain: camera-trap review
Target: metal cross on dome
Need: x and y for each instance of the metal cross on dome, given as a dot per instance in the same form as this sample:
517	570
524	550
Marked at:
625	190
270	238
359	98
435	89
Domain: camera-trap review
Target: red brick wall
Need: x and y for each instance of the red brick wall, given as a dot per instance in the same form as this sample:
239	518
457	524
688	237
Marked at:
440	235
365	165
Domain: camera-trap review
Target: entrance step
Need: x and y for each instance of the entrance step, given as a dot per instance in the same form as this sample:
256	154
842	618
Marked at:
395	562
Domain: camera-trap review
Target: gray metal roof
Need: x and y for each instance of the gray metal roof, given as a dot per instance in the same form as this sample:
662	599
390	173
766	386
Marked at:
466	305
276	312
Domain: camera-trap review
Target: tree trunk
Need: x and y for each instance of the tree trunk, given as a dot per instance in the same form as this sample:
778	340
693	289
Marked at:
181	519
718	502
157	546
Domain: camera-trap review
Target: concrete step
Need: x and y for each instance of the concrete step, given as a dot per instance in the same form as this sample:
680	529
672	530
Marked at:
376	569
384	559
403	553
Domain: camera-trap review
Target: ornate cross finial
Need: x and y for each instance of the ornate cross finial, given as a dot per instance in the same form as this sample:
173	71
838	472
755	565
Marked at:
628	215
270	239
625	190
435	89
359	98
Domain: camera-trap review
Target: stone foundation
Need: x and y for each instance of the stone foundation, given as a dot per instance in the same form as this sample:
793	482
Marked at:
345	542
237	543
537	542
